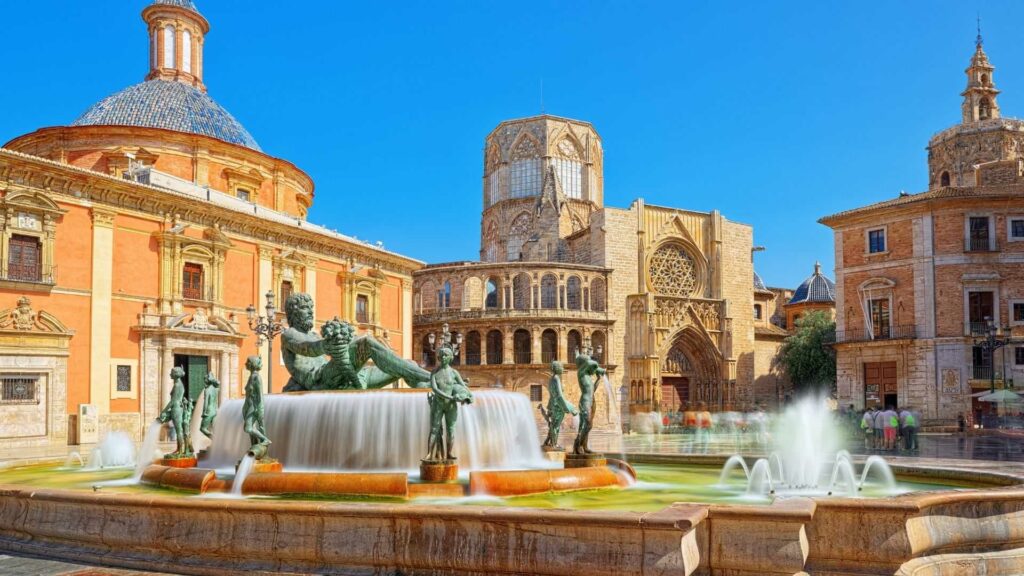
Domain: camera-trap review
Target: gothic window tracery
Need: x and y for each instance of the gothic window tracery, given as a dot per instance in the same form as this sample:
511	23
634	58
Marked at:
524	173
549	292
493	175
672	271
569	169
573	293
491	243
517	234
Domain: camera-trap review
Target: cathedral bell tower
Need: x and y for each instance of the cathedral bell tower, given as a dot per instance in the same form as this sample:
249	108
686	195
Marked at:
980	94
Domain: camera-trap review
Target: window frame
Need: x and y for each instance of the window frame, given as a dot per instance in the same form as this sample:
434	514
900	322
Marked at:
35	377
365	317
885	240
1018	356
968	217
1009	228
239	192
1011	305
185	287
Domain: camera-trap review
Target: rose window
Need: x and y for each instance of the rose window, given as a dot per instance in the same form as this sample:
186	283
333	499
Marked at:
672	271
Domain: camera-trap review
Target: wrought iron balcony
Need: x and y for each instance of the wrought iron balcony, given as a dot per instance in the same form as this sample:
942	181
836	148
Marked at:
45	275
907	332
980	245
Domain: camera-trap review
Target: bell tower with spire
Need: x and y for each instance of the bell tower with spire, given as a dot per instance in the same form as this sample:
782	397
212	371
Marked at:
980	95
176	33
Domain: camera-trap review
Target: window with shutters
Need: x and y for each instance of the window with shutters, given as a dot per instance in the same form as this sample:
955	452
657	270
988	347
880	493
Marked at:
25	258
192	281
362	309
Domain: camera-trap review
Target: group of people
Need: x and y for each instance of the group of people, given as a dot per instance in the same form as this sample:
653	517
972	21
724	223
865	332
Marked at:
698	421
889	429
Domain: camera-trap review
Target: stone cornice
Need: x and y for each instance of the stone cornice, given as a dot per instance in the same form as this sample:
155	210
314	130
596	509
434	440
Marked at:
79	185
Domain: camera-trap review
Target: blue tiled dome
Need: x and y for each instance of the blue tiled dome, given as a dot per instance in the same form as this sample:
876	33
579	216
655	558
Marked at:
817	288
169	105
187	4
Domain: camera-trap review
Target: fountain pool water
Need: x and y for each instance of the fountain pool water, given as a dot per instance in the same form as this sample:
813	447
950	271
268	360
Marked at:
114	451
808	459
381	430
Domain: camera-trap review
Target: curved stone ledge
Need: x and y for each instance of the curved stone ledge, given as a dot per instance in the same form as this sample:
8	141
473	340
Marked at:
1004	563
521	482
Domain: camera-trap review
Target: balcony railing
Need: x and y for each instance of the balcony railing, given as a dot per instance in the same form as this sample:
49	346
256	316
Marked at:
204	294
908	332
31	275
450	314
978	328
983	372
979	245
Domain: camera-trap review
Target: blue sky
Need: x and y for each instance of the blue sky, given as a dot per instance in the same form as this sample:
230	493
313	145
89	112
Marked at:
774	113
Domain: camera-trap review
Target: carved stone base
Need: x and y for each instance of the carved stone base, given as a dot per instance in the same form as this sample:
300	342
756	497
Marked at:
187	462
438	471
554	454
267	465
585	460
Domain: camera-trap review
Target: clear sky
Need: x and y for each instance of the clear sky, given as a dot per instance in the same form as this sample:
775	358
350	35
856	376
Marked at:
775	113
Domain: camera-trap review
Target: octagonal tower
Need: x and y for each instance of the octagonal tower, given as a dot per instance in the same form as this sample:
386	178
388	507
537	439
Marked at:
542	181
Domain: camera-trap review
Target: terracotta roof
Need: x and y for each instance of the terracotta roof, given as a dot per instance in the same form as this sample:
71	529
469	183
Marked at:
938	193
770	330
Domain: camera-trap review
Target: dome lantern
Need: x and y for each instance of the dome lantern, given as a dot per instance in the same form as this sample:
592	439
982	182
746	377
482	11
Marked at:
176	34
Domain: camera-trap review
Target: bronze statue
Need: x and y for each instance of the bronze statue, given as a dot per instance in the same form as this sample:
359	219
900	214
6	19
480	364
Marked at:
586	370
306	355
447	391
252	408
178	412
558	406
211	394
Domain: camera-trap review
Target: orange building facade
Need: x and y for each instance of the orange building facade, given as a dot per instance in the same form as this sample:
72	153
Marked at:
134	239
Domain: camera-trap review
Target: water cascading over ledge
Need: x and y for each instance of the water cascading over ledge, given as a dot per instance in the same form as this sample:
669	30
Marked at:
381	430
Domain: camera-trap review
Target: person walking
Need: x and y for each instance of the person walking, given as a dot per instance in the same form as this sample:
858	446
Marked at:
878	421
908	426
891	424
703	427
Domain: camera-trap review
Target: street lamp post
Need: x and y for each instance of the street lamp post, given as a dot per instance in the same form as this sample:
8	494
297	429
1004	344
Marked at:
990	344
266	327
445	340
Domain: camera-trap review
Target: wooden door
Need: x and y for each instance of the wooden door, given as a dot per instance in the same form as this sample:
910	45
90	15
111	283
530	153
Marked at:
879	382
675	392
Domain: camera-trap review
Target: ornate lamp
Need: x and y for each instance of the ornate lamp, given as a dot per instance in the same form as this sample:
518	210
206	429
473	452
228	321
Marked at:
266	328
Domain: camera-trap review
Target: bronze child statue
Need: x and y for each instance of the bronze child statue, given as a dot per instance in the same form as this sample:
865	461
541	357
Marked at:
447	391
252	408
558	406
174	413
210	396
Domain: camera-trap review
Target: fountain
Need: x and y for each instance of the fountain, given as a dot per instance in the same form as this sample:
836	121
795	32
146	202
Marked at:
114	451
808	458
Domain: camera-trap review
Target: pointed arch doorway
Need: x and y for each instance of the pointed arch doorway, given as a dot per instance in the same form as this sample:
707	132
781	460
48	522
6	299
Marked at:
690	371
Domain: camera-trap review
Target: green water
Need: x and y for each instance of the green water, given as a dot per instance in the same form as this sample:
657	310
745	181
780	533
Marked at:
658	486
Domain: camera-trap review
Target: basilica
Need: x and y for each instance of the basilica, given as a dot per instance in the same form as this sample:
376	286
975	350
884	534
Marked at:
134	239
666	298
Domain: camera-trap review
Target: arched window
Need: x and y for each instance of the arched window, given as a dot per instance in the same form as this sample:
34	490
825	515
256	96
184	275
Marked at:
548	346
472	347
569	169
549	292
757	311
493	175
427	351
491	294
444	296
524	172
517	234
944	179
169	46
428	296
573	296
575	342
984	109
495	343
597	295
472	294
186	51
984	79
521	291
521	346
597	340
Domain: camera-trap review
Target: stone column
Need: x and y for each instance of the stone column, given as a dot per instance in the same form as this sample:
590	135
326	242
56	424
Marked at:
535	349
265	283
225	377
100	308
508	349
563	345
407	318
483	348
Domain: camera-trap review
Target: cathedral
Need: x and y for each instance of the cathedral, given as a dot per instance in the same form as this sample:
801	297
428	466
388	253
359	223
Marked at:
666	298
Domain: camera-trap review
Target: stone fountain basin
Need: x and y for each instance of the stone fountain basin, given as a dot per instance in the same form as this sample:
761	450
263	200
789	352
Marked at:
500	483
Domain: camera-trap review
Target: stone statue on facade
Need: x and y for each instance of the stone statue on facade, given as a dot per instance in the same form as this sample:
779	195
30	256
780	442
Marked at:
447	391
587	372
558	407
337	358
253	410
178	413
211	394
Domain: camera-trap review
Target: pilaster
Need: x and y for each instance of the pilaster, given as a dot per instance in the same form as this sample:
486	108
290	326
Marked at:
100	308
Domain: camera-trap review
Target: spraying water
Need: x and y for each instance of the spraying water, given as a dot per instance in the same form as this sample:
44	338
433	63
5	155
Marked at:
74	456
115	450
147	450
878	463
244	469
382	430
733	461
